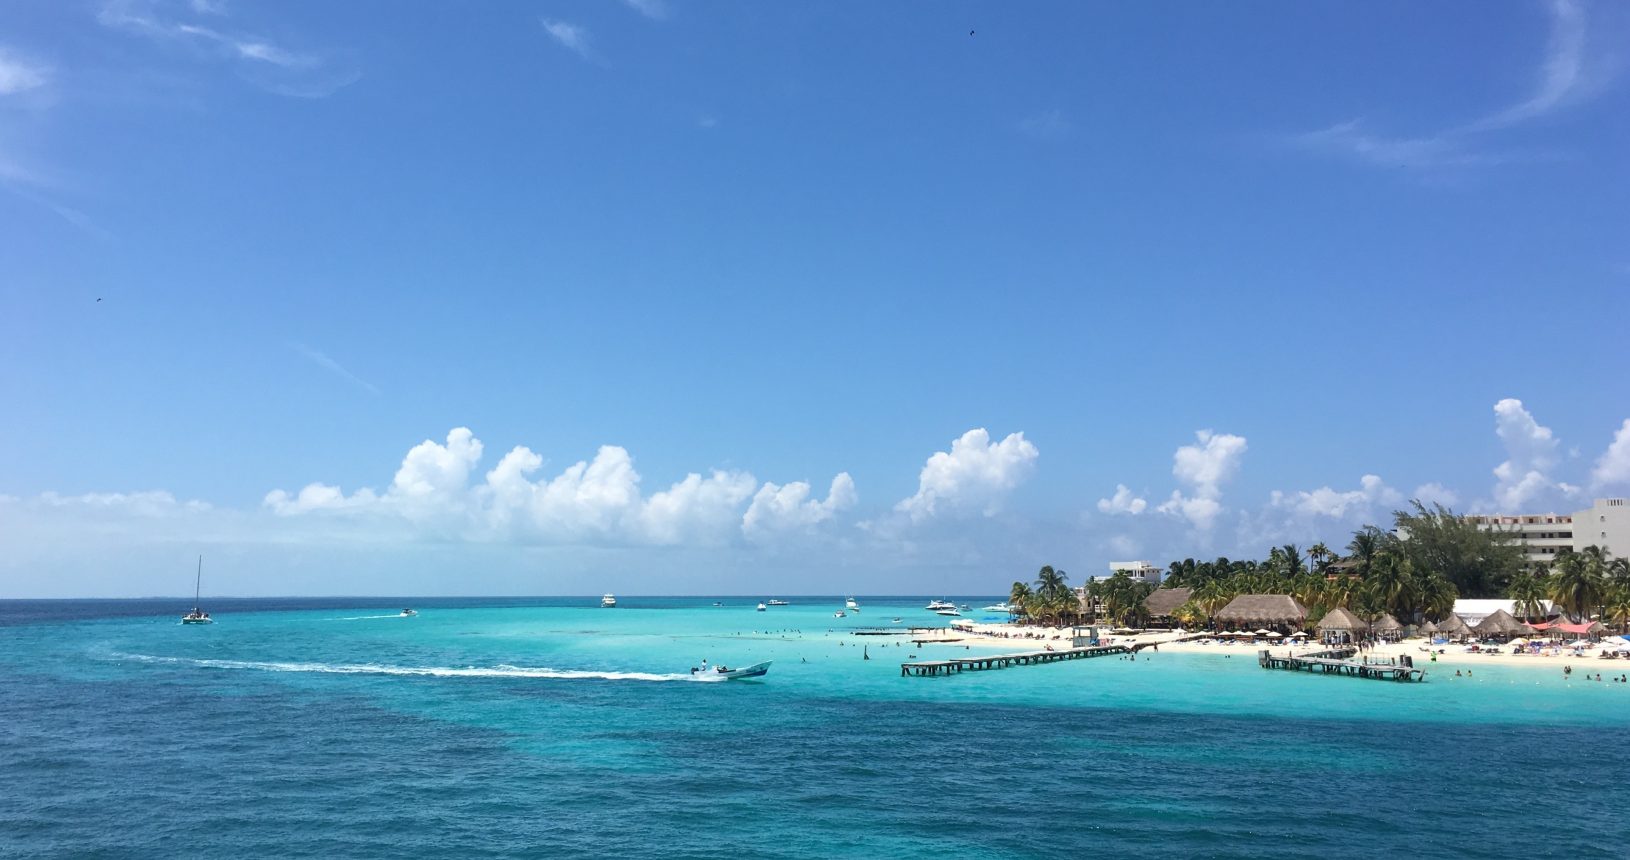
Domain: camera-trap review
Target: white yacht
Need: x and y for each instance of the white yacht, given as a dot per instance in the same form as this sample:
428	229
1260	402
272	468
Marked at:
951	610
609	601
761	607
774	602
851	605
937	605
998	607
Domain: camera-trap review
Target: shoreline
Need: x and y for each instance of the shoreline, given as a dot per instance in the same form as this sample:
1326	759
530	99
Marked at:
1451	656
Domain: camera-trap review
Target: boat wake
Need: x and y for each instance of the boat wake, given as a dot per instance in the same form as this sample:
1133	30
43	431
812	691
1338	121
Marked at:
499	671
371	617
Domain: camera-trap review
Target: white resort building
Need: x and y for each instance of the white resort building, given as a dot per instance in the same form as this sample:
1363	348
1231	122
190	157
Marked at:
1605	524
1142	571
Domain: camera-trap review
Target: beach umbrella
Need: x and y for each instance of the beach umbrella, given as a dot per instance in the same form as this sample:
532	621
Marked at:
1298	634
1262	632
1519	641
1275	635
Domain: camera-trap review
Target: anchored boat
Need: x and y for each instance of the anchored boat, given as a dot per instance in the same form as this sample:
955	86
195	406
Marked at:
197	616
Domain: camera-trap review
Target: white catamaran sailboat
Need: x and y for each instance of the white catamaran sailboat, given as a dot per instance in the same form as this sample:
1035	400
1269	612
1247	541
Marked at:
197	616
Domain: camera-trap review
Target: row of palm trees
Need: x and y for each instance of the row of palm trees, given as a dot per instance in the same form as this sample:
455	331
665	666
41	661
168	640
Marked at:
1582	584
1117	599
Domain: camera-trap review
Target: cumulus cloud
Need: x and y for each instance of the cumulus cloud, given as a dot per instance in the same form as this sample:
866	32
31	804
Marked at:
975	475
1531	453
1123	502
1336	504
595	501
657	9
1435	493
1204	468
1613	467
790	508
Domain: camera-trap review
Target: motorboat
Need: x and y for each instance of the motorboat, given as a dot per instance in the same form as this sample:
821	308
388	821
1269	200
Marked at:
937	605
839	614
197	616
964	607
774	602
949	611
408	613
757	670
761	607
998	607
895	621
608	602
717	603
851	605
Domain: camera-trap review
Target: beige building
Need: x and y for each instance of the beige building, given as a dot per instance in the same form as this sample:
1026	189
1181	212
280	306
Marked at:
1605	524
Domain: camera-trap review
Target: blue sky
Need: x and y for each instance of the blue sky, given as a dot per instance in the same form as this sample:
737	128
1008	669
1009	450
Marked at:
1225	251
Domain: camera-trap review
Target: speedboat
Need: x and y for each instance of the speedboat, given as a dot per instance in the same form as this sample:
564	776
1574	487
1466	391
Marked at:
895	621
756	670
839	614
717	603
998	607
937	605
948	611
608	602
761	607
774	602
851	605
408	613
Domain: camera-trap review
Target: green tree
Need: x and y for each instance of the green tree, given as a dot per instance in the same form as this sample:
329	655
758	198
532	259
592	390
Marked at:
1526	594
1478	563
1577	583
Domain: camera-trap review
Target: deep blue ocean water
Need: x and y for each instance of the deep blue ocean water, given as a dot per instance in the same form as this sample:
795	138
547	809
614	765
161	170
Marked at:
553	728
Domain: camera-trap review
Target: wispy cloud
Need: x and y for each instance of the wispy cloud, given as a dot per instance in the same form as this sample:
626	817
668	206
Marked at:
321	359
657	9
574	37
1564	79
18	75
296	74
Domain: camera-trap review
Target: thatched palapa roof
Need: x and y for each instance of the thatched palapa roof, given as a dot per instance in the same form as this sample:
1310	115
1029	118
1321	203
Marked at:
1500	623
1453	624
1427	628
1162	602
1387	623
1341	619
1263	609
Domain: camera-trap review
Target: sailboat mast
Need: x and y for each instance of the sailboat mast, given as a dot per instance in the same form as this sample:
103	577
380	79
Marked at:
198	583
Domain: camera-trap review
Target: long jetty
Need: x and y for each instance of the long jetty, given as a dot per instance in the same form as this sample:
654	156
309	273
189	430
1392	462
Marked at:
1339	661
935	668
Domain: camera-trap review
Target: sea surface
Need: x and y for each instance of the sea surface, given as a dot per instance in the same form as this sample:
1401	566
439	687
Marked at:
550	727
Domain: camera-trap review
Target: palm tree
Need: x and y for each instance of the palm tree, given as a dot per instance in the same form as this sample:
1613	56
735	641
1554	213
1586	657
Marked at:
1364	547
1526	593
1391	581
1318	556
1576	583
1019	598
1616	607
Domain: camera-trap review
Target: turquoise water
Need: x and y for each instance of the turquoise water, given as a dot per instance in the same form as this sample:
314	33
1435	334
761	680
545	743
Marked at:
554	728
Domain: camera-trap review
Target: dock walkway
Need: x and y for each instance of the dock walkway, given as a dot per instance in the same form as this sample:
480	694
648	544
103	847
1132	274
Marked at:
1339	661
934	668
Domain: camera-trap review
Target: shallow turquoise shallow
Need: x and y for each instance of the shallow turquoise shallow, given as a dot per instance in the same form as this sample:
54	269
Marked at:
554	728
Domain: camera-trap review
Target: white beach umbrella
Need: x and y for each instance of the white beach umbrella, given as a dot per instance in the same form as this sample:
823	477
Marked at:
1298	634
1275	635
1519	641
1262	632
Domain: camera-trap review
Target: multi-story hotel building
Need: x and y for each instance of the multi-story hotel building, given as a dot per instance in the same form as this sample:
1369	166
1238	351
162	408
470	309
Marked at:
1605	524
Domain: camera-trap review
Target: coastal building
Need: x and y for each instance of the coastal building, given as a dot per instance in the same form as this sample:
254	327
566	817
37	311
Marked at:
1605	524
1474	610
1142	571
1162	602
1271	611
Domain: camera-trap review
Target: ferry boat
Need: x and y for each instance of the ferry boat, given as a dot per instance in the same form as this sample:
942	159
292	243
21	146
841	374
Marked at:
608	602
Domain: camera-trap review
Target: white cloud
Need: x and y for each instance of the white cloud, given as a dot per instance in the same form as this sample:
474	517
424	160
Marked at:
1531	452
780	509
657	9
1204	467
975	475
1613	467
18	75
1436	494
148	503
596	501
1123	502
322	360
271	66
1335	504
1565	77
571	36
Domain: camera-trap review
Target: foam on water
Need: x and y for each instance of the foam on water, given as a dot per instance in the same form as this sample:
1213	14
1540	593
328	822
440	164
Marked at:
500	671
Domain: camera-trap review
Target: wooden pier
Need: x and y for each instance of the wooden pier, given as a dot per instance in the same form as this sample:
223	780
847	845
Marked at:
934	668
1339	661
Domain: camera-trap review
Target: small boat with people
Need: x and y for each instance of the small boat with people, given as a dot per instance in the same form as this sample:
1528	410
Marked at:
408	613
608	602
760	608
757	670
840	614
197	616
